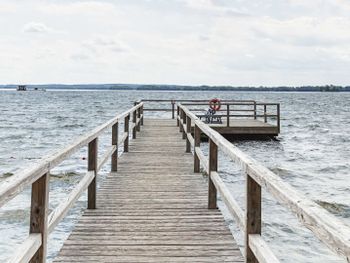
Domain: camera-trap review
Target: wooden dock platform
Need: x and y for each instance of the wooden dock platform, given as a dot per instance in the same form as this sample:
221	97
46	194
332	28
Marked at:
153	209
246	119
156	205
245	128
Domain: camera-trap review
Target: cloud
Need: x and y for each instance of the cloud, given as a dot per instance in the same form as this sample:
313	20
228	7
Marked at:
34	27
102	44
185	41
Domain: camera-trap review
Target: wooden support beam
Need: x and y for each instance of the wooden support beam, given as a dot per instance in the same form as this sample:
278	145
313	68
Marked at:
197	142
38	215
265	117
178	114
126	130
173	109
92	166
141	115
253	215
278	118
138	126
134	124
255	110
114	160
213	167
188	130
228	116
181	120
184	120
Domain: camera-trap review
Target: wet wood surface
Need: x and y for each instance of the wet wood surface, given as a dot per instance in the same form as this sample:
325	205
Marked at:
154	209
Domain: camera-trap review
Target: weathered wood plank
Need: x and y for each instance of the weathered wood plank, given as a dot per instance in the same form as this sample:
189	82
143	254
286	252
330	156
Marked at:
114	159
261	250
38	215
92	166
27	249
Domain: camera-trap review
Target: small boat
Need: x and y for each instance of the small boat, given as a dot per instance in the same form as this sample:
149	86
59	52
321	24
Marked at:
22	88
39	89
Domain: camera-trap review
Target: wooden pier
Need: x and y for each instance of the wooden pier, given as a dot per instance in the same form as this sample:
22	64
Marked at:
239	118
156	205
153	209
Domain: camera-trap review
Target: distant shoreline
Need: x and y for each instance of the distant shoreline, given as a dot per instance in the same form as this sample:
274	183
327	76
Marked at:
128	87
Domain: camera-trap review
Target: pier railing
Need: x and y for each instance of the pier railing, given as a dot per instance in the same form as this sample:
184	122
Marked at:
34	248
237	109
326	227
266	112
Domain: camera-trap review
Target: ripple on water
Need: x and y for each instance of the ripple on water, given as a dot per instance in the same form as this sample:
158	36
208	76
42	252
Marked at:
312	155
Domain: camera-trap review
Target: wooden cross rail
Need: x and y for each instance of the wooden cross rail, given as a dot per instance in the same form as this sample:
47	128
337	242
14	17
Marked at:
34	247
326	227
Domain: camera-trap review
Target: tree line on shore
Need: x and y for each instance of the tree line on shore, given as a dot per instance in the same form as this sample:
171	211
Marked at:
308	88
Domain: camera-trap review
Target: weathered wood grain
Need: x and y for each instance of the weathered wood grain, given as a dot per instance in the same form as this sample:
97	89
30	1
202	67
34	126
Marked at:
197	142
38	215
261	250
114	157
92	166
27	250
253	216
213	167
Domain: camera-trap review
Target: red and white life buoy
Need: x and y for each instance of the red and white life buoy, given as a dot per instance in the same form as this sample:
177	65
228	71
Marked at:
215	104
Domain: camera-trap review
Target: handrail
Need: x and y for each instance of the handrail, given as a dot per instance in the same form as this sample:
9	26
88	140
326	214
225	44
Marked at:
258	109
41	224
326	227
16	183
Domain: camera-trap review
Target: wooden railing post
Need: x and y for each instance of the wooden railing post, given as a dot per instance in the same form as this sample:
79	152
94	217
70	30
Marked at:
278	118
213	167
255	110
197	142
188	128
181	120
38	215
173	109
184	117
138	126
178	114
228	115
92	166
134	124
126	130
141	115
265	117
114	160
253	215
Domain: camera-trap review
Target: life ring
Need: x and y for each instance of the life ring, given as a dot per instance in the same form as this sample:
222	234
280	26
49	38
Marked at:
215	104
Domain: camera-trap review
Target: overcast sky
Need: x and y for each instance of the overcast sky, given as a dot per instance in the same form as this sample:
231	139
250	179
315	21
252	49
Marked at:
215	42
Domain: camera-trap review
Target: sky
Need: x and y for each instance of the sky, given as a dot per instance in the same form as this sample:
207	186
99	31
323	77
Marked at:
186	42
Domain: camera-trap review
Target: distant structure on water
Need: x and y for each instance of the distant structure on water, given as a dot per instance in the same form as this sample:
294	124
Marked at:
22	88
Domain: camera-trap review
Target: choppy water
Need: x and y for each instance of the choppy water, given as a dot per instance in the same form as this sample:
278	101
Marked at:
312	154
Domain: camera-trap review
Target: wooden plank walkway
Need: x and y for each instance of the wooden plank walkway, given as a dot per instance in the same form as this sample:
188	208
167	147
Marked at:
154	209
